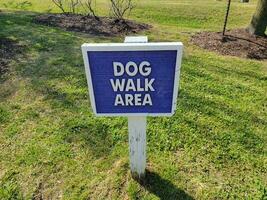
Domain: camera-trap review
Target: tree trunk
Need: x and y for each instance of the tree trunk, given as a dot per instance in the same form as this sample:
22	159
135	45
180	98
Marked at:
259	20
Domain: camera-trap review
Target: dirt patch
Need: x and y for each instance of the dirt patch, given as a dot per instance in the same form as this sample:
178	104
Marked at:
8	49
237	42
104	26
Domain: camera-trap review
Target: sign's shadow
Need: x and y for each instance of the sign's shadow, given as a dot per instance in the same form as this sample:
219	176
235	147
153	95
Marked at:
162	188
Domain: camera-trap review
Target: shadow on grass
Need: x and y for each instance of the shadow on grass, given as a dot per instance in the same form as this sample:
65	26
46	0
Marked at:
162	188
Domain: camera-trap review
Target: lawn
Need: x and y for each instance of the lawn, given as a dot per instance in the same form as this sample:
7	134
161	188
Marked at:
52	146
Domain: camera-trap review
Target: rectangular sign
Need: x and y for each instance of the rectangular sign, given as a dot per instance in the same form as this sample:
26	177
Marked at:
133	79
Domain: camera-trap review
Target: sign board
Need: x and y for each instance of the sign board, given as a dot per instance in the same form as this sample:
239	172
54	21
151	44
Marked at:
133	79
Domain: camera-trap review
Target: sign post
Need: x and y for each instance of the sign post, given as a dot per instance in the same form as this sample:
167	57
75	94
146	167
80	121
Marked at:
137	133
135	79
137	146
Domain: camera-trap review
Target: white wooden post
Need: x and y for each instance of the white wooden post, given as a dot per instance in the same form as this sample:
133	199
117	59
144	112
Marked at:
137	146
137	133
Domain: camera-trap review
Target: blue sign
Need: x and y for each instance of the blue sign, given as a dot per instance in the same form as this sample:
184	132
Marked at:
133	79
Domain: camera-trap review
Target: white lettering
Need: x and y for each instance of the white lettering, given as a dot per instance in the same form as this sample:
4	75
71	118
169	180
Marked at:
134	66
130	85
117	85
137	99
134	85
144	71
117	71
129	100
133	100
148	84
138	85
147	100
119	100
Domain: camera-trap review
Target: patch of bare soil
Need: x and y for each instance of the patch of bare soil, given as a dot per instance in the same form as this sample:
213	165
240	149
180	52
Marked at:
8	49
237	42
103	26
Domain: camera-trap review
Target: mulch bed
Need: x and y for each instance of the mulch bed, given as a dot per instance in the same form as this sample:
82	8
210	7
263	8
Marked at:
105	26
8	50
237	42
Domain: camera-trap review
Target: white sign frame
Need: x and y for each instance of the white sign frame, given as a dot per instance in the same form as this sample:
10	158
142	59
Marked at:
177	46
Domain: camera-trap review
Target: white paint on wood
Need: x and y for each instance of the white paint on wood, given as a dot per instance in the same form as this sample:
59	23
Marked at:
137	132
137	145
136	39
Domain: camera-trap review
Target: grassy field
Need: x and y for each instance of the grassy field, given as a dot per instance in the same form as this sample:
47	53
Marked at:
52	146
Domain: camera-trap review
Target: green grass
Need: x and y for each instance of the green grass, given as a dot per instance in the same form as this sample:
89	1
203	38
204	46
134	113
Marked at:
51	144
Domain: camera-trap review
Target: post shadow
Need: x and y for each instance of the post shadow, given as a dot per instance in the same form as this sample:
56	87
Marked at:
162	188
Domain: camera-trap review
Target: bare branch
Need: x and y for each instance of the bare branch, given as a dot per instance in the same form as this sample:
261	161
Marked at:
59	4
73	5
88	7
120	7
